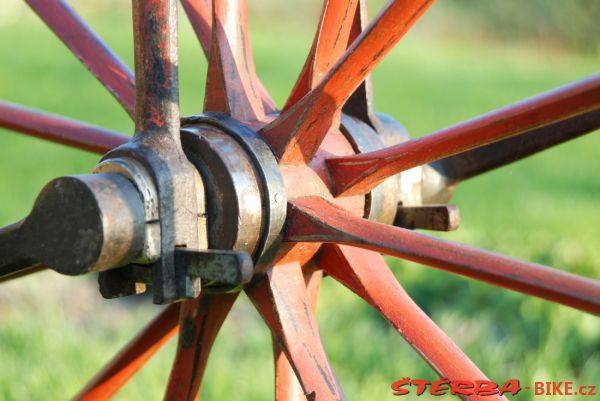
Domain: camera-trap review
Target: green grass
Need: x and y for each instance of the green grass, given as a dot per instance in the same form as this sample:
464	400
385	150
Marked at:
56	332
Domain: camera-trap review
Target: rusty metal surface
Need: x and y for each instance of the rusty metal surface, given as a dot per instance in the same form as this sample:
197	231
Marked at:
132	357
103	63
157	146
78	225
360	173
156	61
180	210
232	188
58	129
316	220
142	180
220	270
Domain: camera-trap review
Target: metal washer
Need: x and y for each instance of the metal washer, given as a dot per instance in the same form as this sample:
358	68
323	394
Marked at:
272	187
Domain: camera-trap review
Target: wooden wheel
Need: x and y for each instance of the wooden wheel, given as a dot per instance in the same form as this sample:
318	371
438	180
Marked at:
315	188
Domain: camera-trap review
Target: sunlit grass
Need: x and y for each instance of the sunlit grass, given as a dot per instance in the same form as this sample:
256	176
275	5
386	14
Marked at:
56	332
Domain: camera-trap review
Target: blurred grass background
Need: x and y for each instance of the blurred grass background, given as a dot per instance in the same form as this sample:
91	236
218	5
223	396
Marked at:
464	58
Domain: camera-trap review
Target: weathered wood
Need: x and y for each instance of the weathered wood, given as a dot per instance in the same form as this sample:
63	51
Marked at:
361	173
314	219
366	274
200	320
481	160
287	386
281	298
232	86
297	134
330	42
90	49
54	128
199	13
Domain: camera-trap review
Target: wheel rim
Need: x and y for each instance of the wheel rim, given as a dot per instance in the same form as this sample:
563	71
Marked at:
292	147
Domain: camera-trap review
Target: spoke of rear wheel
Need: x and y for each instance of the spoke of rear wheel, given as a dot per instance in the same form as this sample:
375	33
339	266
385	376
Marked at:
89	48
366	273
360	173
58	129
287	386
481	160
281	298
200	321
232	86
132	357
297	134
314	219
331	40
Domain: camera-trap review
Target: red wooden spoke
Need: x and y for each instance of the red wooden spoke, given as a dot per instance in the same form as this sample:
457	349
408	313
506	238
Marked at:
360	173
287	386
281	298
313	219
297	134
89	48
199	13
200	321
331	40
366	273
360	21
157	81
232	86
132	358
360	104
481	160
58	129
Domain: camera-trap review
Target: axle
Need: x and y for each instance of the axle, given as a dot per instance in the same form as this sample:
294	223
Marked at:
113	221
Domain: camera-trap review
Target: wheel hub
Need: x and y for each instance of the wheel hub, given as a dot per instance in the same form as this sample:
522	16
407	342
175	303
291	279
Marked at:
201	205
246	190
241	193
